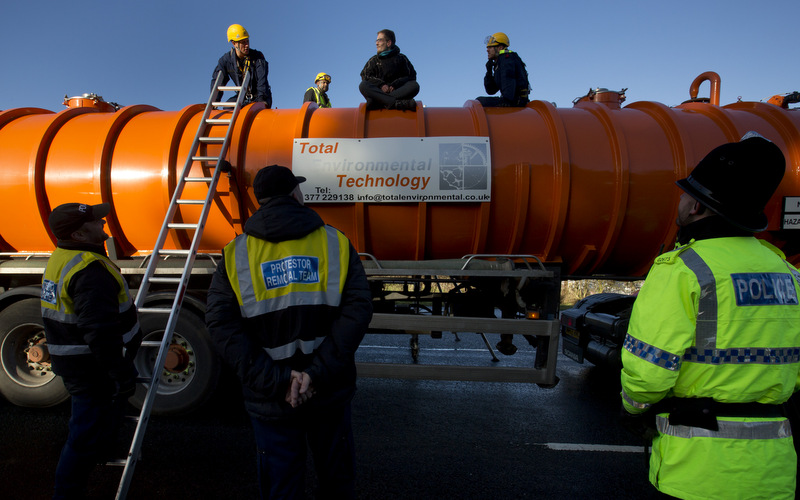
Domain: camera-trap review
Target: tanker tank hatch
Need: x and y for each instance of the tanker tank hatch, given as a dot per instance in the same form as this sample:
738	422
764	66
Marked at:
90	100
611	98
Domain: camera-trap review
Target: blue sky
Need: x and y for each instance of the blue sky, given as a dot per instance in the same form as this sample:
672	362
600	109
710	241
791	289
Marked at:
162	52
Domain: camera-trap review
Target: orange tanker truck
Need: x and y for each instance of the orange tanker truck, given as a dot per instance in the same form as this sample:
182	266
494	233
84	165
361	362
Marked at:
467	218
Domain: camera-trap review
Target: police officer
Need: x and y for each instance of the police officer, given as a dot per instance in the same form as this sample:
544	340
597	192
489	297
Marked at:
287	308
319	92
237	61
93	334
505	73
712	346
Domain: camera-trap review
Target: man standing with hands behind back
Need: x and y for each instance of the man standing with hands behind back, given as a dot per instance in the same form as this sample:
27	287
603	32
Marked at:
287	308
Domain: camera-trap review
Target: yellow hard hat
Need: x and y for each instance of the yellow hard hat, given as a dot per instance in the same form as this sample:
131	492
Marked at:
497	39
323	76
237	32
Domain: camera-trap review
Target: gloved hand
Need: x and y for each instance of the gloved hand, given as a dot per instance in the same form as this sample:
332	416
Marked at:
642	425
124	389
489	65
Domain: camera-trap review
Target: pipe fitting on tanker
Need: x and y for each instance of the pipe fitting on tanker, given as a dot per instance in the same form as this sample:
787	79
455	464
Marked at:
715	82
90	100
611	98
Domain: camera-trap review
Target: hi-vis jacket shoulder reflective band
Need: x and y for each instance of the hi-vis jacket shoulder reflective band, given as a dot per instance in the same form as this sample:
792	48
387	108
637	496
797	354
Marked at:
706	329
268	277
56	303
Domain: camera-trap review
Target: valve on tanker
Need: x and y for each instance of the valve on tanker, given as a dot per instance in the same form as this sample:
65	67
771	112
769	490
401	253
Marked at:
600	95
90	100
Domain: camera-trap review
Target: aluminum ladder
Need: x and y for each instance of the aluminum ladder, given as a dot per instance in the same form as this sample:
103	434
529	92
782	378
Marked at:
216	164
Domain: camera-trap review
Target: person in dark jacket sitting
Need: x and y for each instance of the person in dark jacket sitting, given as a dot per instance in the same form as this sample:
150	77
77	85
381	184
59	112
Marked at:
287	308
388	80
505	73
239	59
93	334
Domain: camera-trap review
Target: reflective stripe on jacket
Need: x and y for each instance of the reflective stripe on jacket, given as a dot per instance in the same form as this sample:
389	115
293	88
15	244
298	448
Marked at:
717	319
57	305
269	277
320	98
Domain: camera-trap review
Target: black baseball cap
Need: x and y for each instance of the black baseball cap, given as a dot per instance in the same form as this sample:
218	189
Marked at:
67	218
275	180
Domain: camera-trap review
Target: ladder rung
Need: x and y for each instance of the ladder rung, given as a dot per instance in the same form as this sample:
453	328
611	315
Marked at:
216	140
150	343
157	310
218	121
191	202
198	179
173	252
133	418
224	104
204	158
229	88
182	225
157	279
145	380
117	463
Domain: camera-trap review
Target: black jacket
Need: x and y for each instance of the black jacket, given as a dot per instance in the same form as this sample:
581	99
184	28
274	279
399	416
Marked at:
101	326
259	84
507	74
331	366
390	68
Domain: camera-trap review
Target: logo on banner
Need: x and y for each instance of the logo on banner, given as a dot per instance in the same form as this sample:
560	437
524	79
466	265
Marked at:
463	166
295	269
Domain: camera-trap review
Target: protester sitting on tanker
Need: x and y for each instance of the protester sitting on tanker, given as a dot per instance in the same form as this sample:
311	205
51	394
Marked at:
319	92
287	308
388	80
505	73
240	59
93	334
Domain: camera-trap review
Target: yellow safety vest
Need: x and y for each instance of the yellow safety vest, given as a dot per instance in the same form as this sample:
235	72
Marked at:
268	277
59	306
322	101
717	319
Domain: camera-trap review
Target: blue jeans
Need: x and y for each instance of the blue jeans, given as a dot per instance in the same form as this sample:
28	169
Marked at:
93	429
281	454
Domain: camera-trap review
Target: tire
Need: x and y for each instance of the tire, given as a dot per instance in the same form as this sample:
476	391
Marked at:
22	382
192	384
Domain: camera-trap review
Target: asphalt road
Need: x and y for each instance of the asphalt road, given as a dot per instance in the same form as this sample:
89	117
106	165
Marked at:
414	439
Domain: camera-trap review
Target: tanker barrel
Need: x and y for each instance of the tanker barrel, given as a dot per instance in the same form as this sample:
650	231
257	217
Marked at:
591	187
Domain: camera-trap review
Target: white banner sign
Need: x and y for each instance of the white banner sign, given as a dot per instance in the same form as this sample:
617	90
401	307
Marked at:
394	169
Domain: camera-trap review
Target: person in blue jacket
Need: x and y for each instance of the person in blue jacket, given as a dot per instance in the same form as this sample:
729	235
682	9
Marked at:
239	59
505	73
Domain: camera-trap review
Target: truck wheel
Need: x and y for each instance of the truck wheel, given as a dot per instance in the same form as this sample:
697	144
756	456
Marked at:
27	380
191	371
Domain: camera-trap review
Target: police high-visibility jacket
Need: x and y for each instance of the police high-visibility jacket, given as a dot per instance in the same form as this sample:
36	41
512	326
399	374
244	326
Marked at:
718	318
90	320
314	94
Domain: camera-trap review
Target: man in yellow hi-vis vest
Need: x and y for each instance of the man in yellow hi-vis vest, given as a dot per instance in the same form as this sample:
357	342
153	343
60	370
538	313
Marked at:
93	334
319	92
287	308
713	345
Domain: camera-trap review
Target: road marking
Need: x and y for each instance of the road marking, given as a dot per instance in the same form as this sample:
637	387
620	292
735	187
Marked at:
594	447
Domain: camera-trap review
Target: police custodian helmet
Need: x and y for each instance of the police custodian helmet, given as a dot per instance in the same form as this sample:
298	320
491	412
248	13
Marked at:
736	180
